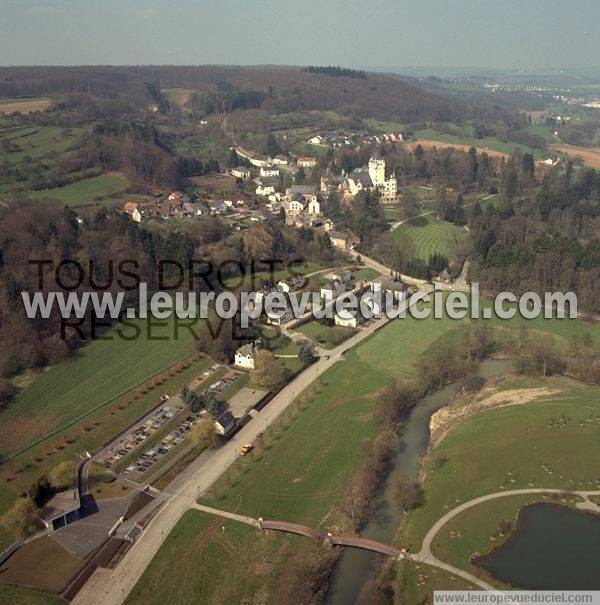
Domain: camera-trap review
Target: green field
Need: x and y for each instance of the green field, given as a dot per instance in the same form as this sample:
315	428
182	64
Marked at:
384	126
34	151
99	372
491	143
431	236
8	100
85	191
225	562
329	336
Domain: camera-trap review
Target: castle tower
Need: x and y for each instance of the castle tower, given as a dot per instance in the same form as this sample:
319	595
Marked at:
377	171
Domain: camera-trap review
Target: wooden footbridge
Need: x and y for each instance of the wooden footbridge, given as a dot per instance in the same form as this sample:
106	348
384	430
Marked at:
328	538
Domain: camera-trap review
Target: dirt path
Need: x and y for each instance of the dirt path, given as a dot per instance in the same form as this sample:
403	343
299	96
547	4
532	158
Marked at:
428	144
446	418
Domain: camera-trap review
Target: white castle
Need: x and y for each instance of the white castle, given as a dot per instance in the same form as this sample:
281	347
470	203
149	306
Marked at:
369	178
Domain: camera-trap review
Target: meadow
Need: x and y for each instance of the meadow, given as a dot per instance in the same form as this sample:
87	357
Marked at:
430	236
34	151
85	191
99	372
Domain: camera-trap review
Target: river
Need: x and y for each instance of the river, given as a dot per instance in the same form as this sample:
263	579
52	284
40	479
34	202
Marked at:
355	567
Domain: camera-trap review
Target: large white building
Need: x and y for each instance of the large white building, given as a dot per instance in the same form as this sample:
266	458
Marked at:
371	178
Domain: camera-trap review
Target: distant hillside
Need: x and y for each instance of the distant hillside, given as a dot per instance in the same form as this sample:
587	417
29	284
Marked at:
287	88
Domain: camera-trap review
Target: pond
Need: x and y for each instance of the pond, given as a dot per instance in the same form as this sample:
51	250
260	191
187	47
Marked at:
552	548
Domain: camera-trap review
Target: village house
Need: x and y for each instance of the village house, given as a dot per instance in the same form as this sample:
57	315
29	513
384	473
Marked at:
265	189
292	207
344	277
176	199
345	240
390	288
235	199
218	207
346	319
225	424
269	171
189	210
244	356
241	172
293	283
133	209
279	160
307	162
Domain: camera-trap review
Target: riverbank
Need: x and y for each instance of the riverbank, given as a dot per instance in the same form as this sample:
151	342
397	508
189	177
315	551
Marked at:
503	447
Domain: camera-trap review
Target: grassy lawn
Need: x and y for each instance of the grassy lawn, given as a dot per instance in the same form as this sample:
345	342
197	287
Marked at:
431	236
100	371
512	447
220	566
329	336
365	274
418	582
42	564
383	126
26	596
10	100
40	145
84	192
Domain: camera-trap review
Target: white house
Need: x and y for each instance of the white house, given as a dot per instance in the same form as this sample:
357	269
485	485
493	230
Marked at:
133	209
269	171
347	320
244	356
218	207
279	160
307	162
225	423
293	206
265	190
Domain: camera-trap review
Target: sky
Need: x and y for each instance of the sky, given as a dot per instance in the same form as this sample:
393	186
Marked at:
366	33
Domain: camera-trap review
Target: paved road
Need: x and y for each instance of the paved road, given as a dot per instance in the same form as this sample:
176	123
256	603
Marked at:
108	587
426	556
